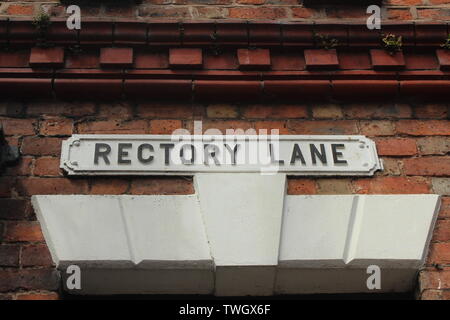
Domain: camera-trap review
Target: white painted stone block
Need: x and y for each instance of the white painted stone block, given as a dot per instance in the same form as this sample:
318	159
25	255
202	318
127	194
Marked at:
127	244
242	214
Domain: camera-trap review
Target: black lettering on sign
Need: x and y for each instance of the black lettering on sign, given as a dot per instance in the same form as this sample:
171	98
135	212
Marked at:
102	150
141	151
122	153
337	154
297	154
183	160
315	153
166	147
272	156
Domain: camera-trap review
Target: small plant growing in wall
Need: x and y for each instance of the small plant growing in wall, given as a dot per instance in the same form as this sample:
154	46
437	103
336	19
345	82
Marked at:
392	43
42	22
446	44
325	42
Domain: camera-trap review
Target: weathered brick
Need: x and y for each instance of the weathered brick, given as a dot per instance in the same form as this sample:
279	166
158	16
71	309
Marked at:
22	168
377	128
162	186
37	296
34	186
6	185
257	13
164	126
222	111
20	10
334	186
165	110
434	279
301	186
35	255
392	167
269	127
392	185
323	127
437	111
431	295
429	166
282	111
327	111
109	186
222	126
23	231
47	167
114	126
21	127
396	146
56	127
442	232
38	146
9	255
121	110
377	111
434	145
29	279
13	209
445	208
441	186
423	127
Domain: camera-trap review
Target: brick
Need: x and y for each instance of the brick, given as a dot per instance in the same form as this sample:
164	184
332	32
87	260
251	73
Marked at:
431	295
6	185
377	128
116	57
29	279
222	111
47	167
161	186
377	111
396	146
11	108
253	59
399	14
224	126
151	60
23	231
301	186
14	209
56	127
323	127
334	186
36	255
423	127
164	126
429	166
38	296
445	208
430	111
122	110
392	185
434	279
257	13
20	10
114	126
47	57
269	127
434	145
185	58
22	168
109	186
37	146
327	111
282	111
22	127
164	110
439	253
442	233
392	167
441	186
9	255
321	59
35	186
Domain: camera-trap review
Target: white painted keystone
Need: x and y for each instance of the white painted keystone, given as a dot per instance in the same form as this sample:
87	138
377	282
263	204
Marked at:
235	238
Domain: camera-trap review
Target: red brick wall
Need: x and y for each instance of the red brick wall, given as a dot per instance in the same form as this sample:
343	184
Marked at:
414	142
238	9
